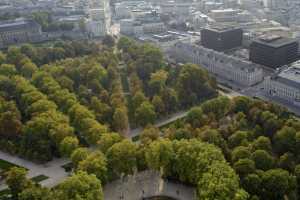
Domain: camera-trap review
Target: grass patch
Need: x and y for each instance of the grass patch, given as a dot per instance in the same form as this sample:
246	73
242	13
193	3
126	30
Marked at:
5	165
39	178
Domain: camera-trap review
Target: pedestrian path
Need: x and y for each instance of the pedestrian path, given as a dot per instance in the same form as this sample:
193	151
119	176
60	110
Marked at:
52	169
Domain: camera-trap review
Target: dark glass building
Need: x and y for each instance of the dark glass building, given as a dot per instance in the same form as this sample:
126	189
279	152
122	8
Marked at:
274	51
221	38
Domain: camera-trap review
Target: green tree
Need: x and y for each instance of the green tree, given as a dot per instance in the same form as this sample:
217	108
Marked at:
277	183
263	160
284	140
16	181
252	184
145	114
7	70
196	117
149	134
2	58
194	84
28	69
79	186
213	136
262	143
193	158
219	182
107	140
240	152
159	155
244	167
241	104
297	174
120	119
68	145
239	138
122	157
158	81
35	193
158	104
287	161
170	99
95	163
219	107
269	122
79	155
137	100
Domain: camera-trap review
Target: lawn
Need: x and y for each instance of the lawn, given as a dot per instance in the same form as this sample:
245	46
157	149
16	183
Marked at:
5	165
39	178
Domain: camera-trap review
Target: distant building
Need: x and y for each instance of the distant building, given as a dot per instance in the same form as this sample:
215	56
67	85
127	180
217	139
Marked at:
285	85
19	31
224	15
274	51
221	38
97	28
98	24
145	23
230	68
122	11
126	26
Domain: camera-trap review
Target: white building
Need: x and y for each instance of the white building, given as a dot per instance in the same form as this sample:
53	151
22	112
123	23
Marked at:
122	11
96	28
227	67
154	27
224	15
285	84
126	26
99	21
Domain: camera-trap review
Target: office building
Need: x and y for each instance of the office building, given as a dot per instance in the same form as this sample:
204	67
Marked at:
221	38
234	70
274	51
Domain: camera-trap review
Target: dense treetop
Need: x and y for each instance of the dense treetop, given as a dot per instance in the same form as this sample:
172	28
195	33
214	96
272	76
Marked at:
80	100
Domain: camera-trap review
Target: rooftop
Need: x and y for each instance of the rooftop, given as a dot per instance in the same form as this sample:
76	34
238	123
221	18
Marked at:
222	28
275	41
229	10
290	76
18	24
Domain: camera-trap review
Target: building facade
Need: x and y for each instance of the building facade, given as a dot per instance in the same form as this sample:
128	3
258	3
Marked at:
20	31
227	67
285	85
221	38
274	51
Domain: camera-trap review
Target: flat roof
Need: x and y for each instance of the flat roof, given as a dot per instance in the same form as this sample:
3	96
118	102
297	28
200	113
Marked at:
290	76
274	41
222	28
19	24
